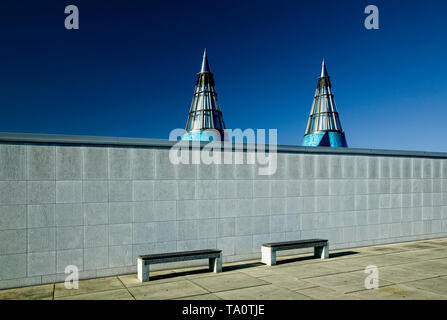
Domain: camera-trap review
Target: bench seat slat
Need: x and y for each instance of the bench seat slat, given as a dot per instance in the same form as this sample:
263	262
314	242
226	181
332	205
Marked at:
197	254
303	243
301	246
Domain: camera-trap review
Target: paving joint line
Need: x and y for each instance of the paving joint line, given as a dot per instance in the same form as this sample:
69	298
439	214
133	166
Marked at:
195	295
312	298
126	287
78	294
198	285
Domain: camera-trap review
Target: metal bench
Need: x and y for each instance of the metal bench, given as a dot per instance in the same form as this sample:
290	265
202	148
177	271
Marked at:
214	256
268	250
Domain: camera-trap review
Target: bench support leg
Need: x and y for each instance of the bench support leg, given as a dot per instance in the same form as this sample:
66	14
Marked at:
268	256
322	252
143	271
216	264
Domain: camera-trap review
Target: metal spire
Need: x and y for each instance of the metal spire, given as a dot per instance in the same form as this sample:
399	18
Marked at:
205	121
205	65
323	70
324	127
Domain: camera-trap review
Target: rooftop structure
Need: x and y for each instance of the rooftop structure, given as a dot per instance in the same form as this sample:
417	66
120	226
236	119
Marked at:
205	121
324	127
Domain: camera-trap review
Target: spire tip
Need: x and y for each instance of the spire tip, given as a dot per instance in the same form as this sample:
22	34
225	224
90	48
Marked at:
205	65
323	69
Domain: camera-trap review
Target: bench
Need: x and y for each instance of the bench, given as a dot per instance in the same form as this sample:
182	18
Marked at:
268	250
214	256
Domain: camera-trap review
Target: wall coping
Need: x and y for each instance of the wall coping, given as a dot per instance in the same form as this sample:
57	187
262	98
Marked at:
31	138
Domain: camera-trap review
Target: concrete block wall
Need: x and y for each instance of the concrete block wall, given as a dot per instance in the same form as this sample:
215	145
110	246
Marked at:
99	206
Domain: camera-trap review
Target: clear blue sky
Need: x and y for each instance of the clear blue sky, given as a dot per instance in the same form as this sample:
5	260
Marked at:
131	68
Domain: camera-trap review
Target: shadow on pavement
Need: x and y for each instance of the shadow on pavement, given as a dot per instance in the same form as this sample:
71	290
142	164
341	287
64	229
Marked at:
206	270
311	257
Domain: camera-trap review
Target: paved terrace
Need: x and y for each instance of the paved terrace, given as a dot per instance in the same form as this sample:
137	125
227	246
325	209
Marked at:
411	270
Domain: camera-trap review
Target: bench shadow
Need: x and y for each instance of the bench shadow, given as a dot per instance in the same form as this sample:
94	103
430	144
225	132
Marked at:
164	276
311	257
242	266
206	270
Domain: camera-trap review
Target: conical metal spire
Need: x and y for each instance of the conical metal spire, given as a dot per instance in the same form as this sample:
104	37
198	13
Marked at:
205	65
323	70
324	127
205	121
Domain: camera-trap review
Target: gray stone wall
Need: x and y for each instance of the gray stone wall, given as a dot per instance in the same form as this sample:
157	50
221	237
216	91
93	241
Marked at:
99	207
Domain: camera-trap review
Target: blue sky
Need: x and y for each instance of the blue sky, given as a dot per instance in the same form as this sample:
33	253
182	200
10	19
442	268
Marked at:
130	70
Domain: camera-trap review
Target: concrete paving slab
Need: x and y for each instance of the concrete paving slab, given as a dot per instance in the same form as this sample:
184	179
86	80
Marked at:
380	261
226	282
407	254
408	246
305	271
396	292
265	292
88	286
382	250
131	280
168	290
342	266
436	267
287	282
42	292
397	274
418	246
438	243
322	293
202	273
442	241
425	254
345	282
259	272
434	285
119	294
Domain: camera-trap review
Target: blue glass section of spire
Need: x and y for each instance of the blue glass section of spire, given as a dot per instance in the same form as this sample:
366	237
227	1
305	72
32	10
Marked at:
204	135
325	139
